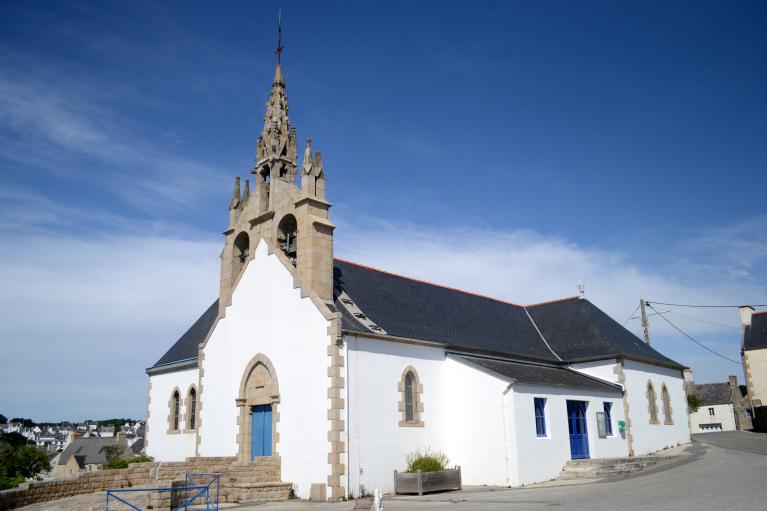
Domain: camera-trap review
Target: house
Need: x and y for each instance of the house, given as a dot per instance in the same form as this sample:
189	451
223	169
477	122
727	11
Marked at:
722	407
338	370
85	455
754	354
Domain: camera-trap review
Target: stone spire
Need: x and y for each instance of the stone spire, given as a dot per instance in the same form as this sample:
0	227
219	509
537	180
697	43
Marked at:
278	137
235	194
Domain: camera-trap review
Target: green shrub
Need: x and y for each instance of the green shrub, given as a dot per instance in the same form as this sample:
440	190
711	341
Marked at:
693	403
10	482
426	461
124	462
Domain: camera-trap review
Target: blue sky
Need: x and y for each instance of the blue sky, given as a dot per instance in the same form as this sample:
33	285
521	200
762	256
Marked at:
506	148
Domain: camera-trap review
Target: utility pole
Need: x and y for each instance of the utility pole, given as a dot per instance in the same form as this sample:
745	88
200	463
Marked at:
645	323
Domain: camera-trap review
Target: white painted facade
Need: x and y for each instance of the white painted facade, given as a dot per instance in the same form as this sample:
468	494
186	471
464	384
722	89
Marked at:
162	445
707	417
481	421
539	459
647	437
269	316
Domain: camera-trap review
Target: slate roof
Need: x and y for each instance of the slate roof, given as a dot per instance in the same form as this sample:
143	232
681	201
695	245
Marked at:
185	347
713	393
575	329
755	336
87	451
535	374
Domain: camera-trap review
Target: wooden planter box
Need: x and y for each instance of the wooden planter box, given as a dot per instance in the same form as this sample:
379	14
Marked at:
424	482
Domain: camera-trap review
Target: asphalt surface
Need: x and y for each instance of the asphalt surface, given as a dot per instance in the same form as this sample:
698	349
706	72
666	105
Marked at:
736	440
732	476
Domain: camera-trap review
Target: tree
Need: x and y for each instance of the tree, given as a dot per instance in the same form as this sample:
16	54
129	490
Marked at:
14	439
18	462
27	423
3	419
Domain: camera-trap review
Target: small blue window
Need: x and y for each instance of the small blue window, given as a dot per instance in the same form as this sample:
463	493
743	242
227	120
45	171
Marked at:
540	416
608	419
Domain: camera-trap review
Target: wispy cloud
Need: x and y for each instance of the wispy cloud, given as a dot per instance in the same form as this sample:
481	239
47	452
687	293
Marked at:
523	266
47	121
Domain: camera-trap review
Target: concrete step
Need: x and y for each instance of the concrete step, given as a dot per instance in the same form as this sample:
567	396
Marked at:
608	468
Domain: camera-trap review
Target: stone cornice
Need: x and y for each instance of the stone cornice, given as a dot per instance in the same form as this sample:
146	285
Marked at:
261	218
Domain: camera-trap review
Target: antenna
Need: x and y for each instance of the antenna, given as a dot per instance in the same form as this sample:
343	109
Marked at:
581	289
280	47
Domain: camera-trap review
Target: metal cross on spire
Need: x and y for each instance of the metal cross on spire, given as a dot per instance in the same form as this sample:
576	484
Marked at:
279	37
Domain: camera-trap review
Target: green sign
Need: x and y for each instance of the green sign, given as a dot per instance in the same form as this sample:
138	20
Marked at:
621	426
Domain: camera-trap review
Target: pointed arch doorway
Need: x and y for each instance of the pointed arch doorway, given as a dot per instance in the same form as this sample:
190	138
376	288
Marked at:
258	400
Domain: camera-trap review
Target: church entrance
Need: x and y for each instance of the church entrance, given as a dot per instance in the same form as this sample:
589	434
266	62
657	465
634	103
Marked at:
258	402
579	435
261	423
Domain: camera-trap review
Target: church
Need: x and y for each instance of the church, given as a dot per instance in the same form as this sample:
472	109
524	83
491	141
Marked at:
338	370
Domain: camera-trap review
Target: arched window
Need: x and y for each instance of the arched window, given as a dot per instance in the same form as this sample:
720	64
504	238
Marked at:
191	407
409	397
175	412
666	405
410	405
652	405
287	237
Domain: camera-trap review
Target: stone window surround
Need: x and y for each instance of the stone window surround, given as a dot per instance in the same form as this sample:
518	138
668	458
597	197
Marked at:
652	403
417	399
668	417
188	409
172	411
269	395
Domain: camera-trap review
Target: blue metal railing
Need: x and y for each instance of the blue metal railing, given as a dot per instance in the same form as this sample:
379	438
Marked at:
214	478
191	492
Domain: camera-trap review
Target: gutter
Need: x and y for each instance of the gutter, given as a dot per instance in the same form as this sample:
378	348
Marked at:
187	363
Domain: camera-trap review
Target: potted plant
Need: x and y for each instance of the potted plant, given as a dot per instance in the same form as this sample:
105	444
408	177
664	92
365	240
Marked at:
427	472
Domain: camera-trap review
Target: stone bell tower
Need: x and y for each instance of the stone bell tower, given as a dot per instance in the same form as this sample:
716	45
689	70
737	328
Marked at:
291	218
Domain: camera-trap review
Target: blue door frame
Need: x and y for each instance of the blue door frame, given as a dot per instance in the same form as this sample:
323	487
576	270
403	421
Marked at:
261	426
579	435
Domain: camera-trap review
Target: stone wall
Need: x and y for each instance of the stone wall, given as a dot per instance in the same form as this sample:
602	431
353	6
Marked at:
258	481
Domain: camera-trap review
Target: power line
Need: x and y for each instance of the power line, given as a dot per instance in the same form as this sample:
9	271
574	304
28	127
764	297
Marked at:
631	316
710	306
705	321
692	339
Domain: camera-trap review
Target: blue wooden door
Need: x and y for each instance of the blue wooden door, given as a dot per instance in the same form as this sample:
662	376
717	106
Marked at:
261	421
579	435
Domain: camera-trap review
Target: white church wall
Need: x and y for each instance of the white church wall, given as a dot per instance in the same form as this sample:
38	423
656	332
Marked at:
378	445
474	401
268	316
602	369
537	459
162	445
648	437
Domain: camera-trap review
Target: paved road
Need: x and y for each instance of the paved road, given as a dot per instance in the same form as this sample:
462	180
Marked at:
737	440
709	478
721	471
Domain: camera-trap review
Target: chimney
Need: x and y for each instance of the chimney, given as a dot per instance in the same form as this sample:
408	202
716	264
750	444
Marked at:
745	315
733	381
